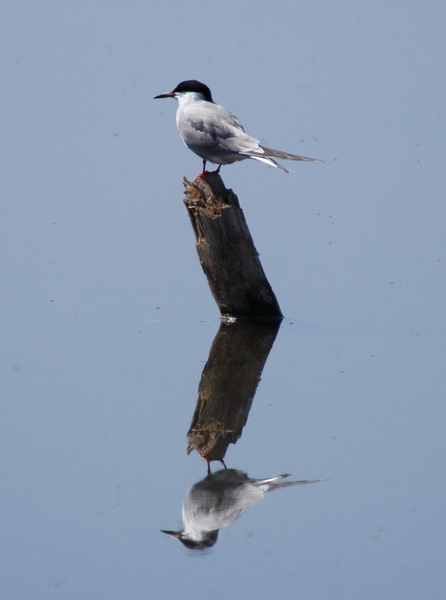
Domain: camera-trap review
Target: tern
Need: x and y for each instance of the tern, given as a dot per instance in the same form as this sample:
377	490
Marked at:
219	500
214	133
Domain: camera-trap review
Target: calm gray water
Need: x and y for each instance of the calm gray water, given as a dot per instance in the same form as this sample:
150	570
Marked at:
107	320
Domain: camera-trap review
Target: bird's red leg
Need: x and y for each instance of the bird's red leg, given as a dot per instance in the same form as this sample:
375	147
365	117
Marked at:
216	172
203	173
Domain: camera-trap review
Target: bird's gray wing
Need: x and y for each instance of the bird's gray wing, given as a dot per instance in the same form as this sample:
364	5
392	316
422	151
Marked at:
219	123
211	130
213	120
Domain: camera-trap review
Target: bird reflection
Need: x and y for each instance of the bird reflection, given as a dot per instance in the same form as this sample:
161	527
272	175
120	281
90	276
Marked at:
220	499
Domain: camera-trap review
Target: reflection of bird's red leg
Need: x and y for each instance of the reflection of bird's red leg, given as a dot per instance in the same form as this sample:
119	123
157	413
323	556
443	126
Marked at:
208	460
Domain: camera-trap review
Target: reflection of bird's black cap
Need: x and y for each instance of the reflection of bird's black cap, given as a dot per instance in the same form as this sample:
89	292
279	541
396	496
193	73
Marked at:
191	544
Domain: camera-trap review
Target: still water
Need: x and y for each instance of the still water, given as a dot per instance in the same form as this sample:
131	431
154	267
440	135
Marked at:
114	363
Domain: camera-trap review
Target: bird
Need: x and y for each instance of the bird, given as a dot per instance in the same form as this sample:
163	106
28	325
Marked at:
214	133
220	499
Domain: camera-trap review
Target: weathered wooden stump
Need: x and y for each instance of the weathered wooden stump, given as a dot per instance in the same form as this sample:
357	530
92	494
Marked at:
227	252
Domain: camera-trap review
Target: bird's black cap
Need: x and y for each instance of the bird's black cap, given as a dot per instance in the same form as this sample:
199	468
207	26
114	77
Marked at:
192	85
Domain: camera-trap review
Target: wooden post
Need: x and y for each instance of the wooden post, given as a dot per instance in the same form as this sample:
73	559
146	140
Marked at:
226	251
